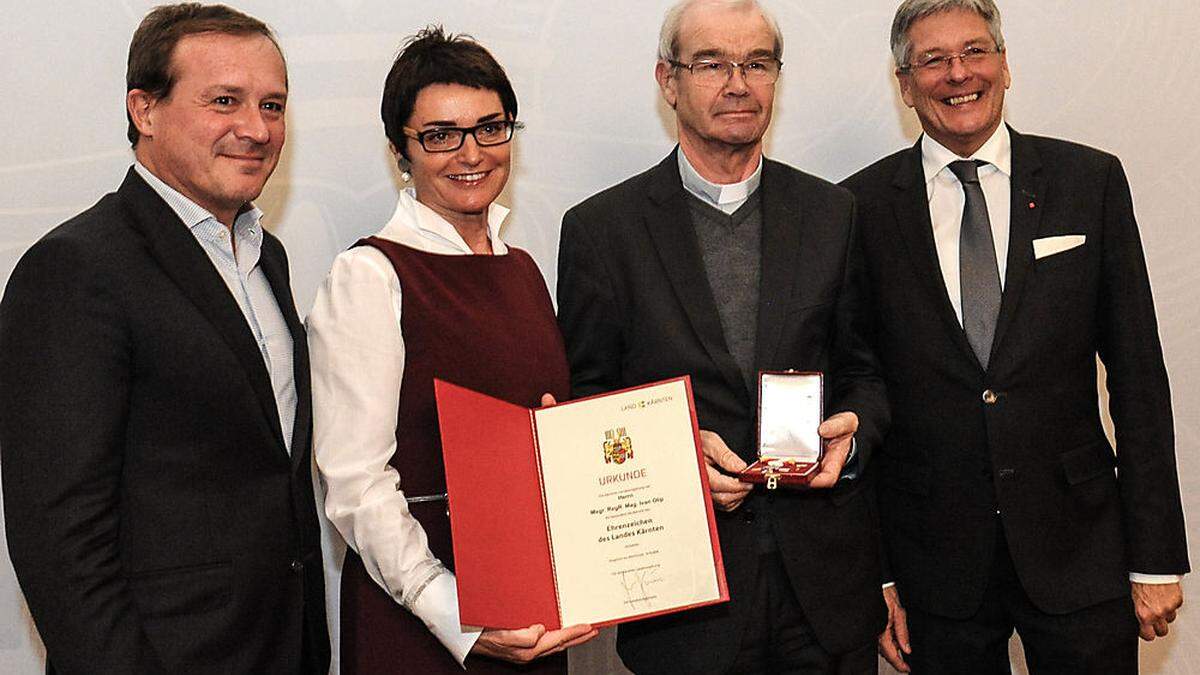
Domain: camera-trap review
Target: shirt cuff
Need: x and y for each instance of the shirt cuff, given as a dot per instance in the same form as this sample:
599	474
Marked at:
889	584
1139	578
850	468
437	606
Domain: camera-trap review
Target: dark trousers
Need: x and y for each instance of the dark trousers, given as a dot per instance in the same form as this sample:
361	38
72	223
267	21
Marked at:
1099	639
779	638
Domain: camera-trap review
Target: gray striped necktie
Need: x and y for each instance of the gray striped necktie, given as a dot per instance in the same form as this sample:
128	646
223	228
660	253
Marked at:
979	275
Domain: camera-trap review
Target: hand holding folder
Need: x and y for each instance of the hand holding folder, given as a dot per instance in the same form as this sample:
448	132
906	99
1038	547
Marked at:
592	511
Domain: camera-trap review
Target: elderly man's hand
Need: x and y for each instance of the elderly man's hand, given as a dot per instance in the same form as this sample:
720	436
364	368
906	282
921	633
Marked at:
1156	605
727	491
527	644
893	641
838	433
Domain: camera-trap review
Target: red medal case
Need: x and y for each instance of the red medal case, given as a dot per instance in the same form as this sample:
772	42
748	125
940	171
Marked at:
790	408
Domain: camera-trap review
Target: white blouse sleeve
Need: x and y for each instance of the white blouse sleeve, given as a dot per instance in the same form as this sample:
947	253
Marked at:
357	353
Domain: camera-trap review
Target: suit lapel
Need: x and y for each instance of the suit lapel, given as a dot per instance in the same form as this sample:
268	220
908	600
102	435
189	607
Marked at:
1028	187
781	233
916	229
185	262
274	266
675	242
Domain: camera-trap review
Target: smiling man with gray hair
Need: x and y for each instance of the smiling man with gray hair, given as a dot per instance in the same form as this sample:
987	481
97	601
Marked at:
719	263
1002	265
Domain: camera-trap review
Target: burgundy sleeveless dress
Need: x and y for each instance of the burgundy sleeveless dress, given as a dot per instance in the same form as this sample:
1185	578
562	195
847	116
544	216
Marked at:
483	322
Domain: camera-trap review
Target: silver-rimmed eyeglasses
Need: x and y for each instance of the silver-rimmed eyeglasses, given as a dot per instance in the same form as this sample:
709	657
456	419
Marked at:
715	73
937	63
449	139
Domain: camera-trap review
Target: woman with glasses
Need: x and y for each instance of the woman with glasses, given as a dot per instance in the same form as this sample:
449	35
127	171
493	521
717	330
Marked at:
436	292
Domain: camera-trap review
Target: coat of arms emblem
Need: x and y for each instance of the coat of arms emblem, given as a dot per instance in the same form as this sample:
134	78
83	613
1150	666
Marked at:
618	447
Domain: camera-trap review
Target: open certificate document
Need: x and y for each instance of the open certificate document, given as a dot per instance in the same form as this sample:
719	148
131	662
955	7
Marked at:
591	511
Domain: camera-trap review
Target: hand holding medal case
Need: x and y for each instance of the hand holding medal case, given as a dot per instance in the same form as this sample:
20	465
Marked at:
790	409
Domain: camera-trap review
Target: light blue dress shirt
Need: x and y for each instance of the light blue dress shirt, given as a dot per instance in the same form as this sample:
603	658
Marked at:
248	285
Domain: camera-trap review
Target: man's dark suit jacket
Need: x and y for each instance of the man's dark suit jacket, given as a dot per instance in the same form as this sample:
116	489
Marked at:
155	519
1025	436
635	306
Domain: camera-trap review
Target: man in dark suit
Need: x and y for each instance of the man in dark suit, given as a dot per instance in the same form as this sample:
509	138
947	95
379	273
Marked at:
154	387
719	263
1001	265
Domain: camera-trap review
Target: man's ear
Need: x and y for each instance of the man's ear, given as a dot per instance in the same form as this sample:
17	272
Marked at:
665	74
140	104
905	82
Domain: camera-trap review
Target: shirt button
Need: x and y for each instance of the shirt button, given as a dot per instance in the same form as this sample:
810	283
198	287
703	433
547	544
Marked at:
1006	474
748	515
989	397
297	566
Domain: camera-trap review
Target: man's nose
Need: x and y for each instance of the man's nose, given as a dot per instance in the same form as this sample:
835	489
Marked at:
958	70
736	84
253	127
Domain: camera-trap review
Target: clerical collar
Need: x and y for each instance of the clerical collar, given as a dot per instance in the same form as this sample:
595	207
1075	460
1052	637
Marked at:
727	198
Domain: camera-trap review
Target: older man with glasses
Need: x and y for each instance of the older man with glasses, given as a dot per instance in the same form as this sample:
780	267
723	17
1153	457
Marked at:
1003	264
719	263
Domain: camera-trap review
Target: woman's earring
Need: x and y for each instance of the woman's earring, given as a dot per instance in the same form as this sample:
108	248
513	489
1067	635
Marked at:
405	176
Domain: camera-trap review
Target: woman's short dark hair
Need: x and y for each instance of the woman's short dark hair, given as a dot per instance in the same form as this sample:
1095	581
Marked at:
154	42
433	56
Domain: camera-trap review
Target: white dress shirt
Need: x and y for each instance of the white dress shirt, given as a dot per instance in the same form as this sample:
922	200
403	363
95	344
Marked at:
357	351
946	201
244	278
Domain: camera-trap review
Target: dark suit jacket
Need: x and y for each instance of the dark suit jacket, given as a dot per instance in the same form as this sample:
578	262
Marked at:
1038	452
635	306
155	519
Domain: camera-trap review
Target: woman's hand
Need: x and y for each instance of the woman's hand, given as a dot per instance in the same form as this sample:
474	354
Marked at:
527	644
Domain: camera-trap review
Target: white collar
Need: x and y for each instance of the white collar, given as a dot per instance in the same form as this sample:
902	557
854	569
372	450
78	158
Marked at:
413	216
716	193
997	151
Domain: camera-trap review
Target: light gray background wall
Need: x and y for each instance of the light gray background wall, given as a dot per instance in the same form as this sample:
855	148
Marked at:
1119	75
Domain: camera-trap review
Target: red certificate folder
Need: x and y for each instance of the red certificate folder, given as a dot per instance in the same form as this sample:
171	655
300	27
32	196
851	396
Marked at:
560	517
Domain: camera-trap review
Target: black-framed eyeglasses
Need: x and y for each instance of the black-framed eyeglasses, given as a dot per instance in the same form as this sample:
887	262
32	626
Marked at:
715	73
938	63
449	139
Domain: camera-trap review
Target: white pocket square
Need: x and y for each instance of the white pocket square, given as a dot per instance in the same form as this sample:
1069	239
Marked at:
1051	245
